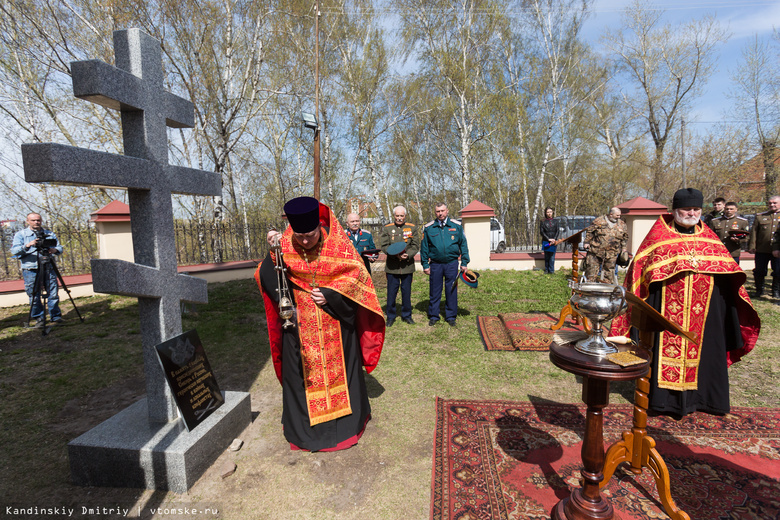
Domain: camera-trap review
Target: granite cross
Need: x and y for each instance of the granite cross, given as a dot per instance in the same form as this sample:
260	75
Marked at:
135	88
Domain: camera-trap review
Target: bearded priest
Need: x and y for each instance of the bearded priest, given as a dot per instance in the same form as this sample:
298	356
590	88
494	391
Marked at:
684	271
324	324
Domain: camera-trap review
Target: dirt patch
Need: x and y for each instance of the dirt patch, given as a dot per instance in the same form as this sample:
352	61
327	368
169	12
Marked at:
82	414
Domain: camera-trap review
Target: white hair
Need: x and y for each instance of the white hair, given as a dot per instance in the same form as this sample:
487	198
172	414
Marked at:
685	221
399	207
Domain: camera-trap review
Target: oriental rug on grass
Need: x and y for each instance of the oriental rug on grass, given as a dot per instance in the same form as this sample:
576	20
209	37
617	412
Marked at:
520	331
516	460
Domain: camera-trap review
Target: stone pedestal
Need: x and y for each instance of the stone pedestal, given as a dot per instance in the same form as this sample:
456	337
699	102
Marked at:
476	226
129	451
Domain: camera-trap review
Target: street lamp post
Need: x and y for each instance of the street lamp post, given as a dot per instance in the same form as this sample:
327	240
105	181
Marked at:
317	99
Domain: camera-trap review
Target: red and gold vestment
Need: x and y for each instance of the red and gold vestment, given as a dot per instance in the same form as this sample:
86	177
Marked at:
685	265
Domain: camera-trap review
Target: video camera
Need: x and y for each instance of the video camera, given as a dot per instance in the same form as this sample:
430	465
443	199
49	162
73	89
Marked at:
44	241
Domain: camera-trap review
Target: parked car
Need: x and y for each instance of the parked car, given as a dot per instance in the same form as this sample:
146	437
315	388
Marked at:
497	236
571	224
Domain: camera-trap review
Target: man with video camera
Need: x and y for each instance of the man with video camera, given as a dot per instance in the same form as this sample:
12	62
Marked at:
34	246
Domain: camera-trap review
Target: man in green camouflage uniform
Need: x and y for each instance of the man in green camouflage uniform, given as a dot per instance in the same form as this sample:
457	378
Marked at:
605	239
731	229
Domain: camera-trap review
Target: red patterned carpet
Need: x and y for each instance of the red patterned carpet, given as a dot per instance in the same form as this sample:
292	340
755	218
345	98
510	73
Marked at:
515	460
519	331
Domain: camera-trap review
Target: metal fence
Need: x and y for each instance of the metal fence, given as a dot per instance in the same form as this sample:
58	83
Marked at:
201	243
195	244
79	246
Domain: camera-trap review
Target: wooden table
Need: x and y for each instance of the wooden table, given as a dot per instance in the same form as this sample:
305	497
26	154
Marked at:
587	502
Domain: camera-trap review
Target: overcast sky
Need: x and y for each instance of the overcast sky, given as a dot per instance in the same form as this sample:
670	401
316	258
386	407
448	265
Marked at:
742	18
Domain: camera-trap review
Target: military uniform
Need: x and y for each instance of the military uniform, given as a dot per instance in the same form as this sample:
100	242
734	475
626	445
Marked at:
606	240
709	217
729	228
399	271
442	244
362	240
761	236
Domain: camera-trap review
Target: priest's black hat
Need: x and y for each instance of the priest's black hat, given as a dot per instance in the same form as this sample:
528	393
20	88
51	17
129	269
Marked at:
687	198
303	214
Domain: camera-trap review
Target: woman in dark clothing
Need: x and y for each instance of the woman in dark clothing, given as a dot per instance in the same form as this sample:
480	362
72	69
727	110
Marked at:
548	228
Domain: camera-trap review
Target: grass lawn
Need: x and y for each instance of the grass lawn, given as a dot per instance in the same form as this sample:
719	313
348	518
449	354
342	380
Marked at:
58	386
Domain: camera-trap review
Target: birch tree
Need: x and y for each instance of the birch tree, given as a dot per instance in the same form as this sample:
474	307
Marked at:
554	26
668	66
453	44
757	99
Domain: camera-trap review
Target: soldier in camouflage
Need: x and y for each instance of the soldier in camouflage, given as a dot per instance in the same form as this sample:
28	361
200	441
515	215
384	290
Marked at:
605	239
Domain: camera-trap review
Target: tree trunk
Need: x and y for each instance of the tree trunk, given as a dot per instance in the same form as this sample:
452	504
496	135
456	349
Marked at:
770	174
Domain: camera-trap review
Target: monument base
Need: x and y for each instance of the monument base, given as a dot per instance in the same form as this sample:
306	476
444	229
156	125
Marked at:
127	451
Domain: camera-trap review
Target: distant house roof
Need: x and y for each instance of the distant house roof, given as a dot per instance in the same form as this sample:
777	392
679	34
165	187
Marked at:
751	182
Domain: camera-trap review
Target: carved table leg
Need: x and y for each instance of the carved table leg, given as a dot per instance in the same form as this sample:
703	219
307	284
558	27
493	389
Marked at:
639	448
587	502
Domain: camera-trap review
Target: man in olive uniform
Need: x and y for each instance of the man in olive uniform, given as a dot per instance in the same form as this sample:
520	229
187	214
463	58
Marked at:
605	239
718	208
443	244
731	229
361	239
760	243
399	268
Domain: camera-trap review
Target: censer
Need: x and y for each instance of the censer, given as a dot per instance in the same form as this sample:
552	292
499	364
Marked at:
286	307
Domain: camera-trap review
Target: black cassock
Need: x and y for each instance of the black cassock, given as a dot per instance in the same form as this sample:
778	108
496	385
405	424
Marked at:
721	329
295	415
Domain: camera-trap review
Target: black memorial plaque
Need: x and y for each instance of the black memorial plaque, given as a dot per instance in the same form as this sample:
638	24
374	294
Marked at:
190	378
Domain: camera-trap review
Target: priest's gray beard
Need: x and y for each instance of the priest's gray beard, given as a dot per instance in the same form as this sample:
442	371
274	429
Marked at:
685	221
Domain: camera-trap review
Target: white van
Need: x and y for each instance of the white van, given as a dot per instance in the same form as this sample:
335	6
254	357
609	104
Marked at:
497	236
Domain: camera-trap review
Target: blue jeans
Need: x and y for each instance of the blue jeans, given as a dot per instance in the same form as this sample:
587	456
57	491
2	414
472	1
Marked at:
549	261
394	281
448	272
50	286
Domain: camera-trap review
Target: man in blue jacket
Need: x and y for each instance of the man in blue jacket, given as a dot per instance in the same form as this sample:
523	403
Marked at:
442	245
361	239
26	247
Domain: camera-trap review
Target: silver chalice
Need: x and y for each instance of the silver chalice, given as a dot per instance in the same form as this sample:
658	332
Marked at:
598	302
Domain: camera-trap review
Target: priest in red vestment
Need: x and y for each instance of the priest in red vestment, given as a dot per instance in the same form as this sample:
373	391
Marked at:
683	271
337	329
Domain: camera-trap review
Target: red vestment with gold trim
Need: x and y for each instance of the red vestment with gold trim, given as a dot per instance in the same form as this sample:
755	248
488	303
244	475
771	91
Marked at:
685	269
324	337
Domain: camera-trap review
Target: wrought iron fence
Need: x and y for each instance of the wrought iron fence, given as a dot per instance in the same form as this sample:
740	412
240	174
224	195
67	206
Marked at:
79	246
195	244
207	242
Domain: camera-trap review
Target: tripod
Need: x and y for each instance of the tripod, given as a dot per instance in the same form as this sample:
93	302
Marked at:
47	265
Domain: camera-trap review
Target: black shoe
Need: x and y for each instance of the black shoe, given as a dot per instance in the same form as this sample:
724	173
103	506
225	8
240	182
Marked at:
390	322
432	322
451	323
58	320
410	321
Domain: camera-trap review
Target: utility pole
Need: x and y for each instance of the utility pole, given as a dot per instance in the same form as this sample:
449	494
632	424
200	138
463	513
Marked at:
682	151
317	99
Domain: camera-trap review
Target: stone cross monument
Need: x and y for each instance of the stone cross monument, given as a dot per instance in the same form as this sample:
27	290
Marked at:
135	88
